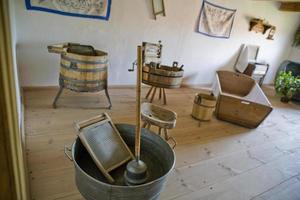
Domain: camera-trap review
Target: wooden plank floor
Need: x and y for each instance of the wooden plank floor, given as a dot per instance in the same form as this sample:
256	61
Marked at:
216	160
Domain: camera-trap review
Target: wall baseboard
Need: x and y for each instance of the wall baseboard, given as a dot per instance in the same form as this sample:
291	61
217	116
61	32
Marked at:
202	86
23	139
32	88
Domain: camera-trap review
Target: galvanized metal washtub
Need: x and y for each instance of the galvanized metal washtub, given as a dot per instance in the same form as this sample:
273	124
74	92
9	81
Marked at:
155	152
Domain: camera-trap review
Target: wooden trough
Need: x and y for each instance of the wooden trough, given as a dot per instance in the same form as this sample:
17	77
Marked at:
240	99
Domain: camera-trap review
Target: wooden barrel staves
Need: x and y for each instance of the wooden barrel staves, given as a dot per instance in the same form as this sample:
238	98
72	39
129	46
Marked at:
163	77
84	73
82	69
204	106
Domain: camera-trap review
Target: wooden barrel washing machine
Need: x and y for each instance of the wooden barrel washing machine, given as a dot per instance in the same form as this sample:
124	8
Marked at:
82	69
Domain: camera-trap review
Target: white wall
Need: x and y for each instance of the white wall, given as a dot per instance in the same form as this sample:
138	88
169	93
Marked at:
295	54
131	22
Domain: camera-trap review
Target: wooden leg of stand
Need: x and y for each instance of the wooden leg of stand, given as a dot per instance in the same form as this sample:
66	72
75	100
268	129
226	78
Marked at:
159	131
109	101
144	125
165	97
153	94
149	92
148	126
166	134
159	97
57	96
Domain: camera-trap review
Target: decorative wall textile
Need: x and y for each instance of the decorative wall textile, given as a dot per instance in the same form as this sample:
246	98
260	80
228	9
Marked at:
215	21
98	9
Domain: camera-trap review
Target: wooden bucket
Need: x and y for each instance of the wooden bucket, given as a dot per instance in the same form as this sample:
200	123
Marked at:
84	73
204	106
163	77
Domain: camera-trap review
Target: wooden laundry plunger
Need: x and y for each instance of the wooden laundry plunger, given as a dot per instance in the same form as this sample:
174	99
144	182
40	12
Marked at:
136	170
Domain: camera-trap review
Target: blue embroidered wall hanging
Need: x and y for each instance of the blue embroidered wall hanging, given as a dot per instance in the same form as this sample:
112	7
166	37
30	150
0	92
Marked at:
97	9
215	21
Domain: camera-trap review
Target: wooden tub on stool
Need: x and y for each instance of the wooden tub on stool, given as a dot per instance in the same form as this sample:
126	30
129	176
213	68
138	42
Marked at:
162	118
164	77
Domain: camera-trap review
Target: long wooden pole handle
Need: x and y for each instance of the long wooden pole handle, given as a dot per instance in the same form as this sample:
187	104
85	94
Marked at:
138	103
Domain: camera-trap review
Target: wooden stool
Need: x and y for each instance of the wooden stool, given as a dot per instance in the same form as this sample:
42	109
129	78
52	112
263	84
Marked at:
162	118
162	94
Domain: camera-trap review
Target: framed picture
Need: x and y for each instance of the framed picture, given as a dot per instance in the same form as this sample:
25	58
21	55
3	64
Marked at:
158	8
97	9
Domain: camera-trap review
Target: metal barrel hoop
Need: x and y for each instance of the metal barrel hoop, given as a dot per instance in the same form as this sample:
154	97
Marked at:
73	65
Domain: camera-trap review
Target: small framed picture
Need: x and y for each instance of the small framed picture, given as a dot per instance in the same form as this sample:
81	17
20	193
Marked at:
158	8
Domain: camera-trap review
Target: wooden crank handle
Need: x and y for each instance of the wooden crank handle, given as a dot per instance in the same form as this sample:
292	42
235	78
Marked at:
132	68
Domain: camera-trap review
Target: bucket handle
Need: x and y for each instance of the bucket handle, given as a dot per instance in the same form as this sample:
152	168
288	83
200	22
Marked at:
174	142
67	150
198	99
